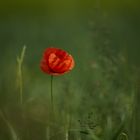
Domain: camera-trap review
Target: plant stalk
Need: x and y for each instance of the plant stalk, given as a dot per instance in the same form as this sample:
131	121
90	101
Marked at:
52	99
20	61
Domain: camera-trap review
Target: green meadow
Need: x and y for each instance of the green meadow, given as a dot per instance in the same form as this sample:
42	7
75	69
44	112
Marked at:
99	99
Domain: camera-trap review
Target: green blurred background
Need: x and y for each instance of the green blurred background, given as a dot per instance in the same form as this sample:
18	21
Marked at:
103	37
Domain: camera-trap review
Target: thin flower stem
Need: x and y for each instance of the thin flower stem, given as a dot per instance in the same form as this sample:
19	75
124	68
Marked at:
52	100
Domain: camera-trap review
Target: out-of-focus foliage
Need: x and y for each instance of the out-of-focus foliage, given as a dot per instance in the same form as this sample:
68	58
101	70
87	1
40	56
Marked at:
95	100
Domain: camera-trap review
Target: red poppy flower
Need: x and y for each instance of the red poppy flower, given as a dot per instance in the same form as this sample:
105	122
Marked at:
56	61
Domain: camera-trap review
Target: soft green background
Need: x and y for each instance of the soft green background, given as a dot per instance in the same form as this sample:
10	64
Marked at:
103	37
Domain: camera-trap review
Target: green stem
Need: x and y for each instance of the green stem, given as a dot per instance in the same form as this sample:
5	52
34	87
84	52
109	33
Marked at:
10	127
52	102
20	80
48	133
20	61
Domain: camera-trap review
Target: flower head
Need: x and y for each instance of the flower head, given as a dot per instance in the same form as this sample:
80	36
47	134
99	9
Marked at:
56	61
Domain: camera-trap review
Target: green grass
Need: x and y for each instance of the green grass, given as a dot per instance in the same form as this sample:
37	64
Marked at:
102	113
97	100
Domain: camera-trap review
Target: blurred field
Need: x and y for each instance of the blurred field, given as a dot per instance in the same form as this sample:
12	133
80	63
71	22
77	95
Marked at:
99	98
